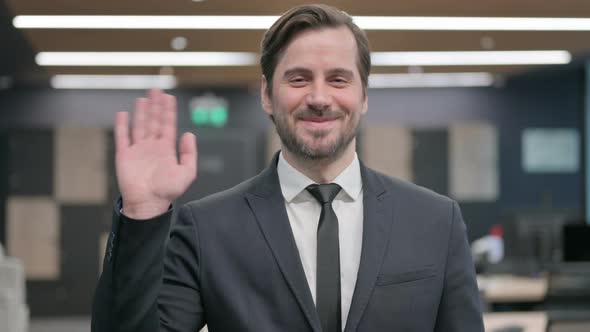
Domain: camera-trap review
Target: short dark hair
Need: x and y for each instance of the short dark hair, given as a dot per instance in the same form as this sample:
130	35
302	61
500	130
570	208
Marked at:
310	17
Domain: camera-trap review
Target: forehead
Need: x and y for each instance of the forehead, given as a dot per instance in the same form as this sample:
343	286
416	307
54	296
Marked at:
320	48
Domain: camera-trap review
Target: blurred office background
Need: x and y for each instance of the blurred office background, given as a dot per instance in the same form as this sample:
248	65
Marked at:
505	134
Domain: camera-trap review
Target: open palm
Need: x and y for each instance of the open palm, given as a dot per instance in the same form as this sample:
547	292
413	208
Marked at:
149	173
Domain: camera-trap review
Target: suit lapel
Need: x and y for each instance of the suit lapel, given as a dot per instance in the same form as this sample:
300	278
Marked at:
377	214
267	203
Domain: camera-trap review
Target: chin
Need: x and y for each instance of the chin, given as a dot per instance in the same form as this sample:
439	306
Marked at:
322	151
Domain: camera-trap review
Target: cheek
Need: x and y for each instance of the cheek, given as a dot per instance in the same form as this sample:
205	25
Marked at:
288	101
351	103
293	100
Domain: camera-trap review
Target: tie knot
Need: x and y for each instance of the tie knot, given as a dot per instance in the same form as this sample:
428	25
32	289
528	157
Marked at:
324	193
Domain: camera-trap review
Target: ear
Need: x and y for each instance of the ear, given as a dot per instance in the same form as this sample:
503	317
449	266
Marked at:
365	104
264	97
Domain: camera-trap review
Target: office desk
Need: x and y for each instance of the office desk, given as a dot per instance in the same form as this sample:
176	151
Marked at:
532	321
505	288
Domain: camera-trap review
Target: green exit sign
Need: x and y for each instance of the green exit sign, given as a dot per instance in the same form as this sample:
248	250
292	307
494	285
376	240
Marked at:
209	111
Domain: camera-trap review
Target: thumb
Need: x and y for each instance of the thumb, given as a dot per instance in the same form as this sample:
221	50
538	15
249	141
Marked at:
188	153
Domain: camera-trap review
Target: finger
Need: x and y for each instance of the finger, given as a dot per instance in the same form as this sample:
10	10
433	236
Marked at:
154	111
121	131
139	119
188	154
169	116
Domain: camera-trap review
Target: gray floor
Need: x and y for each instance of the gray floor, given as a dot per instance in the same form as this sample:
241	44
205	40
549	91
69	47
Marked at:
81	324
74	324
66	324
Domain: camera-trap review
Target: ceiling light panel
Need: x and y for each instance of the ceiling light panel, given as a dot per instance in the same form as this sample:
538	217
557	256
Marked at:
116	82
469	58
146	59
447	58
144	22
430	80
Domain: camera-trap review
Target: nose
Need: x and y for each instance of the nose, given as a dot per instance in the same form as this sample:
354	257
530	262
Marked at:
319	97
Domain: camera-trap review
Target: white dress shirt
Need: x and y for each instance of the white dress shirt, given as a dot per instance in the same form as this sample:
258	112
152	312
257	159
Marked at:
304	215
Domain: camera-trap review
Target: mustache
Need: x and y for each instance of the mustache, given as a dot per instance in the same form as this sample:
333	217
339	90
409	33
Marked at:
310	113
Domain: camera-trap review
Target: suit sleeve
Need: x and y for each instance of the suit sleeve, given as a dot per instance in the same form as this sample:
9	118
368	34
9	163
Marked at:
148	285
460	307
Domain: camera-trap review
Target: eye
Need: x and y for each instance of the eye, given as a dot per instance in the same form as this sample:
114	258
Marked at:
297	81
339	81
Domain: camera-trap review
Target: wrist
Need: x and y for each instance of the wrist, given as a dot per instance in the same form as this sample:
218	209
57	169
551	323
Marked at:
144	211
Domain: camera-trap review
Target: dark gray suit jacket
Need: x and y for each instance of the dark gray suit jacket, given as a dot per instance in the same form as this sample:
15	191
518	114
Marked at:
231	262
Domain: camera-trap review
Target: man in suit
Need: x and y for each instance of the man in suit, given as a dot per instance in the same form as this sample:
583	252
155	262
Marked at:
316	242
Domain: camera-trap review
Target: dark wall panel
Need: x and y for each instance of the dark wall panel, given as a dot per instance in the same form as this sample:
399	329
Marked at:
81	228
225	159
31	162
430	159
479	217
4	187
543	100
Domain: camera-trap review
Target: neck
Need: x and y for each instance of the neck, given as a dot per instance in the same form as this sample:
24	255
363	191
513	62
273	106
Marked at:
322	170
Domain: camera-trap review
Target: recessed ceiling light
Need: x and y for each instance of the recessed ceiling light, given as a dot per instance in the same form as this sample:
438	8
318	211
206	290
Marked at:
488	43
178	43
264	22
430	80
117	82
146	59
415	70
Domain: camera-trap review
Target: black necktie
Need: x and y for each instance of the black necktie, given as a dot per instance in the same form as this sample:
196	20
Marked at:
328	259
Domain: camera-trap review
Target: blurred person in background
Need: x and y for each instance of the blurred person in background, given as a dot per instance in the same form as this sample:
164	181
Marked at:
315	242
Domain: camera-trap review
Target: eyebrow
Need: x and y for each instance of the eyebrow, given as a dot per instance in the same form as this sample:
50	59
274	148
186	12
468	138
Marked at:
334	71
341	71
296	70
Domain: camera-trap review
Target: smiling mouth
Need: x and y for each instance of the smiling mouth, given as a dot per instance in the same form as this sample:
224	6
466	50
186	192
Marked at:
318	123
319	120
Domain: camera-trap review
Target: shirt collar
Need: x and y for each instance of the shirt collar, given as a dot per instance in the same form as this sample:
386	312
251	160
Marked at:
293	182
